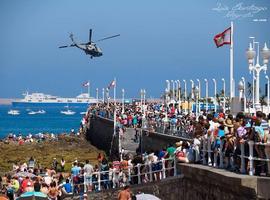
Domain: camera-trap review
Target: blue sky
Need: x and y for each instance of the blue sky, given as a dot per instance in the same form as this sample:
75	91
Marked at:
159	40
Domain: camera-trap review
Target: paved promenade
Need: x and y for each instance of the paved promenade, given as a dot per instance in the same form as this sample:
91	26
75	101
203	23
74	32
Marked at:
128	141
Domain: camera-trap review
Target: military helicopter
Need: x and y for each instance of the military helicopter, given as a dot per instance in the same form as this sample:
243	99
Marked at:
90	48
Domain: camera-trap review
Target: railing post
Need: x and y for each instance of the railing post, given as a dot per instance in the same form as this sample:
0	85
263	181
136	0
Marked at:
139	173
99	187
72	184
209	151
174	128
163	168
113	178
150	171
175	166
215	157
251	164
221	154
164	128
204	151
242	169
129	174
84	183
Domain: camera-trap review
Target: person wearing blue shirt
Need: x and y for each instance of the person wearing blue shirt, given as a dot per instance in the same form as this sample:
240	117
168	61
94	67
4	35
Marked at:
75	170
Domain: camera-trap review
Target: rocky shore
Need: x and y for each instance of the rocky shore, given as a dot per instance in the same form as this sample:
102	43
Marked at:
69	147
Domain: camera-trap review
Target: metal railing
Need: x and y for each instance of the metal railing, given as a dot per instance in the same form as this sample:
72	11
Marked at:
138	174
179	130
218	155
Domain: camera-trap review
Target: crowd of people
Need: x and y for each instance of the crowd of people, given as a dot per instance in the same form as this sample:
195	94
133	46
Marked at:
36	138
85	177
223	132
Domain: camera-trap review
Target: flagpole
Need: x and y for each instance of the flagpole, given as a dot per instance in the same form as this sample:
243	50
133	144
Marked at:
232	88
114	91
88	88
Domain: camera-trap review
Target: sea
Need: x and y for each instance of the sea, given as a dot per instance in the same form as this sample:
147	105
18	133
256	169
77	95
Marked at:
53	121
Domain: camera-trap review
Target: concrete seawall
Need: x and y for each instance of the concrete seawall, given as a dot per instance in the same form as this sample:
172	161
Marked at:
152	141
100	134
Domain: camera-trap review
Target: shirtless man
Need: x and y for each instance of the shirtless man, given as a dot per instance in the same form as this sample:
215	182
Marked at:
125	194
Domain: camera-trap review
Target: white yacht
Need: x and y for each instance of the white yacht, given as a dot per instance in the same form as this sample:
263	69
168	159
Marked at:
43	100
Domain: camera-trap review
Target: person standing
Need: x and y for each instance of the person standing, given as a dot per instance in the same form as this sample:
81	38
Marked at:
54	164
88	172
125	194
63	162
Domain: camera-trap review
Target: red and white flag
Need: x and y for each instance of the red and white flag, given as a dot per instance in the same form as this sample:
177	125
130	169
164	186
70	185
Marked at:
223	38
86	84
112	84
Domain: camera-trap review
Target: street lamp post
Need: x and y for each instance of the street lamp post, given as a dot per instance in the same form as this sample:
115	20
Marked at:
253	75
166	104
176	90
215	93
196	91
173	92
123	101
107	95
179	94
97	95
199	94
257	68
185	94
168	85
241	89
144	102
103	95
244	92
268	95
192	88
224	96
141	100
206	94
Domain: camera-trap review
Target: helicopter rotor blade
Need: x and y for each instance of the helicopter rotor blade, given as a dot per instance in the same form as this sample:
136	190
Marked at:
90	36
106	38
65	46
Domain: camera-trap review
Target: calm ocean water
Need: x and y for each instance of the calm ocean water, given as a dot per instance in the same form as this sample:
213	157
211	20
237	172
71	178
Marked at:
52	121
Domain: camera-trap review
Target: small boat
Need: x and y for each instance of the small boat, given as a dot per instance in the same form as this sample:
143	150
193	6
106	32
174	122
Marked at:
41	111
32	113
68	112
13	112
82	113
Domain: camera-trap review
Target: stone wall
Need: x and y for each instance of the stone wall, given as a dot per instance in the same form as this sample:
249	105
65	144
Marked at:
164	189
100	134
155	141
199	182
203	182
